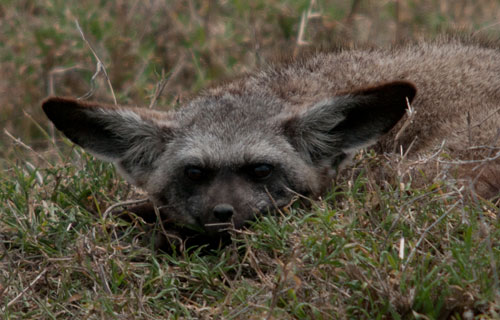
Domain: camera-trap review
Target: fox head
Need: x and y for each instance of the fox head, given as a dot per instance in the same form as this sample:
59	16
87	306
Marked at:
224	158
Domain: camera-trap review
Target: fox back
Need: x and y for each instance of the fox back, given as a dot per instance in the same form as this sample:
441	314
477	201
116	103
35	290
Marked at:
248	146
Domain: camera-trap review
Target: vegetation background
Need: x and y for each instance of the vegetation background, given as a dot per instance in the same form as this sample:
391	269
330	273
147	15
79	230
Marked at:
393	252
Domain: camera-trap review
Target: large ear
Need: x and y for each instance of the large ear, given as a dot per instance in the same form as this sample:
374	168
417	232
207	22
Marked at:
132	138
334	128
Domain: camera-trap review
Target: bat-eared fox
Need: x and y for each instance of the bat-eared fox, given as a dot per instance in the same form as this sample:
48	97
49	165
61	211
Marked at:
248	146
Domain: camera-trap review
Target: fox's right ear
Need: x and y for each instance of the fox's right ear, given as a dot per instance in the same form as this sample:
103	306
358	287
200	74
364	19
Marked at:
132	138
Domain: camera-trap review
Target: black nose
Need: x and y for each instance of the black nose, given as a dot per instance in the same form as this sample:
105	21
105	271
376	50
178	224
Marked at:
223	212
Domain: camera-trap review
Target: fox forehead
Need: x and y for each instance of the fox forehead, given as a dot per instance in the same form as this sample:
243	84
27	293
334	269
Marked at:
228	130
227	109
235	146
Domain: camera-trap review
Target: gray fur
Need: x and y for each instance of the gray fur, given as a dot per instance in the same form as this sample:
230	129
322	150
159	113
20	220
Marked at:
301	118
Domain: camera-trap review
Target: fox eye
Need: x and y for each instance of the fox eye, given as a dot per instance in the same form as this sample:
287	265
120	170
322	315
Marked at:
261	171
194	173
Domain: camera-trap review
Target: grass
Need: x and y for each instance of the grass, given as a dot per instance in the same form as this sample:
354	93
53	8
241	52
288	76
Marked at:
367	250
341	258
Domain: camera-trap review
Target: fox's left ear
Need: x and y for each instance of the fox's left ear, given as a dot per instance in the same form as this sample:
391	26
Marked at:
132	138
338	126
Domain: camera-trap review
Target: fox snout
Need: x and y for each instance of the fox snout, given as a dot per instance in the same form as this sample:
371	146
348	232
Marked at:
223	212
219	219
228	203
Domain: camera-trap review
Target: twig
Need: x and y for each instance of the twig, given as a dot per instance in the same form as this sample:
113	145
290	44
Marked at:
484	160
99	68
219	224
25	289
275	205
22	144
302	27
123	204
165	233
411	115
483	147
435	155
306	15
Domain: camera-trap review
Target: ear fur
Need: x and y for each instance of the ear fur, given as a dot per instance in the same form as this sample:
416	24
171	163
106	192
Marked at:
335	127
132	138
